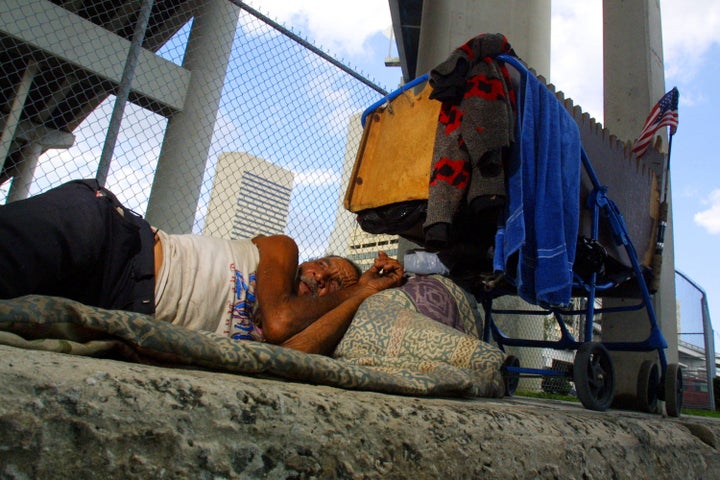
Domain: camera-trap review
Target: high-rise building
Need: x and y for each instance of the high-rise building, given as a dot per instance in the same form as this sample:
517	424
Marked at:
250	197
364	247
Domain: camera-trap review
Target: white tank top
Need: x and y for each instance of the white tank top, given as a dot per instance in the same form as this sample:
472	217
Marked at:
208	283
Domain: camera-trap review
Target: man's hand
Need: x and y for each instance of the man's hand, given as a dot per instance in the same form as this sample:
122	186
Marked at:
323	335
384	273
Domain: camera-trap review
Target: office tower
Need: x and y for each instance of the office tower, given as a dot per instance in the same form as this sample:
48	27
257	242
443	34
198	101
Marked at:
250	197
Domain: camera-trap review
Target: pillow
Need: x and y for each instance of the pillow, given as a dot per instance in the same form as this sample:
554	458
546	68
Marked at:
421	326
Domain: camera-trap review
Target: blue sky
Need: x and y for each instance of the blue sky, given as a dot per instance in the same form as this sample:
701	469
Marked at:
691	43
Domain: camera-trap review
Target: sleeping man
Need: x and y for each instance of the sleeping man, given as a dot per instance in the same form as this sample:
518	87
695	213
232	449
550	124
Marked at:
77	241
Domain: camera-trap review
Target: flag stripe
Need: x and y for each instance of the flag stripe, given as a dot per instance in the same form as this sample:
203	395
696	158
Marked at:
663	114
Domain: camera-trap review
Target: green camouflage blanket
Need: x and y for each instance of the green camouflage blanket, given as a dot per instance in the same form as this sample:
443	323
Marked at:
390	347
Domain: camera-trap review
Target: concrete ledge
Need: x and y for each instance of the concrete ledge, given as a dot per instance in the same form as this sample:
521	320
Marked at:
71	417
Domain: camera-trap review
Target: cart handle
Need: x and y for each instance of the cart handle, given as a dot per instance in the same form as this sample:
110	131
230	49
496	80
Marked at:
423	78
392	96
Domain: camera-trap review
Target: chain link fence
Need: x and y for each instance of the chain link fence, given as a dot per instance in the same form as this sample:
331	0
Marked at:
228	91
224	123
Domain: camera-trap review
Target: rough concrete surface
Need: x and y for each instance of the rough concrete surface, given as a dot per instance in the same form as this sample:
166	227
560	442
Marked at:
71	417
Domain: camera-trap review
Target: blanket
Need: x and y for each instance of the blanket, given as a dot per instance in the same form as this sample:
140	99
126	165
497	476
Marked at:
390	346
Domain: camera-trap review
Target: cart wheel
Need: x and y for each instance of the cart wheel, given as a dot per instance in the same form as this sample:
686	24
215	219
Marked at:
510	379
594	376
647	387
673	389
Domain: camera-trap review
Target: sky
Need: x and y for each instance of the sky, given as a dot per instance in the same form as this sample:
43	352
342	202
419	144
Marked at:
691	44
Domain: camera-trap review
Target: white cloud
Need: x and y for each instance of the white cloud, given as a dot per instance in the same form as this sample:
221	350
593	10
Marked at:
229	135
710	219
256	28
58	166
131	182
340	27
689	30
317	178
576	53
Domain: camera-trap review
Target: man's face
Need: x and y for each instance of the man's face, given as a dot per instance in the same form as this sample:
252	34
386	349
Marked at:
322	276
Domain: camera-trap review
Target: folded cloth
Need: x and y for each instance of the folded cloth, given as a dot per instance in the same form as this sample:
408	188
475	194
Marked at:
541	228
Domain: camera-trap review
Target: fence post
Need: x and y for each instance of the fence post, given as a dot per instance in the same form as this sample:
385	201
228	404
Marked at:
184	154
708	337
123	91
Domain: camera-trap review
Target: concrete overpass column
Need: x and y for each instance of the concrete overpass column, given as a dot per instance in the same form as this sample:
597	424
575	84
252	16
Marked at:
35	145
445	26
634	81
181	166
9	126
20	187
448	24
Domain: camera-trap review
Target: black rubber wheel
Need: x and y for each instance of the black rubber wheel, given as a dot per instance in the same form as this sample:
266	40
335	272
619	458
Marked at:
647	386
674	390
594	376
510	379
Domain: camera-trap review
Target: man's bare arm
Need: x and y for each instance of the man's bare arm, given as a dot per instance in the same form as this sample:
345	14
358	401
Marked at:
323	335
283	313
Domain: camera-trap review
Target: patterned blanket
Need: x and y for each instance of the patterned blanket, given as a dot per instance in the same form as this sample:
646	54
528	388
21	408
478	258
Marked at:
390	347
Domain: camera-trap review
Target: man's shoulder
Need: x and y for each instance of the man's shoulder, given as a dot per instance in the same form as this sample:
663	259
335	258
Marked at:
281	242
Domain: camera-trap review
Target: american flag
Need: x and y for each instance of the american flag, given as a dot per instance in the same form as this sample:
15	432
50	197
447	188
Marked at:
664	114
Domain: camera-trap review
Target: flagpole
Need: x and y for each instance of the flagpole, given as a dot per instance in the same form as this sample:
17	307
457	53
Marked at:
662	223
667	169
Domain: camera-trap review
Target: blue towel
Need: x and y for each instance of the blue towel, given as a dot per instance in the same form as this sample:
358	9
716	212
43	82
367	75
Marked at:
543	198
